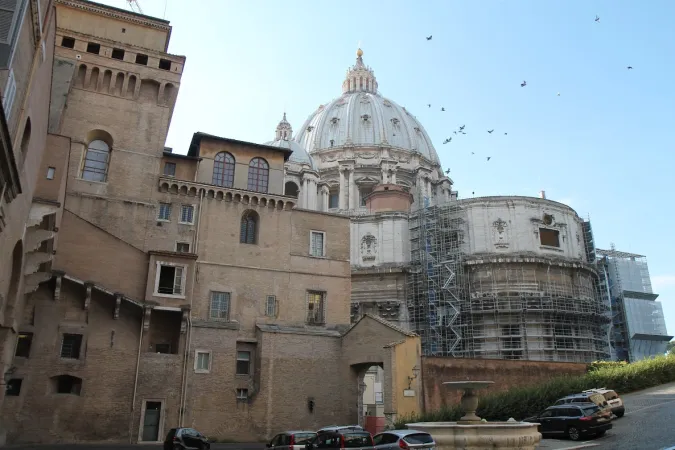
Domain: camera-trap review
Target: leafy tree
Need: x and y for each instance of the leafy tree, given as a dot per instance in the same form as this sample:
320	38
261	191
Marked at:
671	347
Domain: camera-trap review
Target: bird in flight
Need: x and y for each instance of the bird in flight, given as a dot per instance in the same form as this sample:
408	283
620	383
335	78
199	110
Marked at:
505	134
597	18
447	171
472	153
629	67
523	84
488	158
490	131
429	105
429	37
462	128
447	140
558	94
442	109
454	132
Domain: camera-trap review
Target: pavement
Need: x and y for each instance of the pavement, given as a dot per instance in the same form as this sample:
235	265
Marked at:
647	424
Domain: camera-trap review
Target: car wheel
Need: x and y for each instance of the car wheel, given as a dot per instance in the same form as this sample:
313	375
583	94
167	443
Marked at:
573	433
620	414
601	433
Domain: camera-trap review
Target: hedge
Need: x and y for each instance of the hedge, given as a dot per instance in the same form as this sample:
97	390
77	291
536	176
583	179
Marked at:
523	402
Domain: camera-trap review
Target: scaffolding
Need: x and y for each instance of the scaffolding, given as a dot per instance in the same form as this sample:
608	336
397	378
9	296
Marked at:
500	306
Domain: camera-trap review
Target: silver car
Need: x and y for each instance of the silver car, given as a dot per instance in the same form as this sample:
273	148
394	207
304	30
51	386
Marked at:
403	439
291	440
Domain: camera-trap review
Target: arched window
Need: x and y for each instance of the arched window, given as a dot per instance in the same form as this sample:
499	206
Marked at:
95	167
258	175
248	231
223	170
291	189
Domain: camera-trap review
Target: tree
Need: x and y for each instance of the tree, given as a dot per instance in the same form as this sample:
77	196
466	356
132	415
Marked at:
670	349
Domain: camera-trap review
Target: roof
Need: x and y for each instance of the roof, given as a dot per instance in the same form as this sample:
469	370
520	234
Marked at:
299	155
198	136
314	331
617	254
386	323
181	156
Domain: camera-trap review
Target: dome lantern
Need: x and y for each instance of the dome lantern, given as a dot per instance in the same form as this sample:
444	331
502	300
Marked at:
360	78
284	130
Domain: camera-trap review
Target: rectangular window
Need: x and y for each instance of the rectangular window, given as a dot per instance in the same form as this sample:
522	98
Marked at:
182	247
23	344
165	64
242	395
243	363
549	237
170	280
142	59
202	361
162	348
67	42
316	243
93	48
271	306
220	305
333	200
164	211
170	169
187	214
315	306
51	171
118	53
365	192
13	387
70	346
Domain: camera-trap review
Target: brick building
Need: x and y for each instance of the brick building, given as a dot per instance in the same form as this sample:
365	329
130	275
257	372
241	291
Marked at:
185	289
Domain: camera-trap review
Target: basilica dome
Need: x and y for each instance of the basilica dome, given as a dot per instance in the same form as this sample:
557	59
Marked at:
362	117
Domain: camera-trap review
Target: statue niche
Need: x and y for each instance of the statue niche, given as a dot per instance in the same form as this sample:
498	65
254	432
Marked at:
368	247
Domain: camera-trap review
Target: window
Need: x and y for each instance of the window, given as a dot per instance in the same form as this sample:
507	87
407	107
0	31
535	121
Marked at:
13	387
142	59
315	304
162	348
291	189
164	211
242	395
365	192
51	171
182	247
317	243
223	170
170	169
96	159
117	53
333	200
271	306
220	305
67	384
70	346
187	214
549	237
165	64
243	363
23	344
67	42
258	175
93	48
202	361
170	280
249	228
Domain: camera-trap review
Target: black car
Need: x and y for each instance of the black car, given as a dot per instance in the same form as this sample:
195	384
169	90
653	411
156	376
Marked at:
345	437
573	420
184	439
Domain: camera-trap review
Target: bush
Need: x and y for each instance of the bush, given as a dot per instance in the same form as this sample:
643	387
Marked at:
522	402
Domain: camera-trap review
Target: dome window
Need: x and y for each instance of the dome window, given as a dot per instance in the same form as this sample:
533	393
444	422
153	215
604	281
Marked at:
332	142
395	121
365	117
310	128
417	129
335	120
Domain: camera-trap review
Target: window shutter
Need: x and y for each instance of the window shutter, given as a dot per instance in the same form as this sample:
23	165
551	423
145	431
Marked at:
178	281
8	11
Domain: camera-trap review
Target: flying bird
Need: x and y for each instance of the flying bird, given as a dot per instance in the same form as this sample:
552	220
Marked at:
490	131
454	132
463	132
462	128
505	134
488	158
429	37
523	84
447	171
597	18
558	94
442	109
429	105
472	153
629	67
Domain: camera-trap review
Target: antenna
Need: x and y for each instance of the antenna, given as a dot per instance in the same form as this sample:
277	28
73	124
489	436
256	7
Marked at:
133	3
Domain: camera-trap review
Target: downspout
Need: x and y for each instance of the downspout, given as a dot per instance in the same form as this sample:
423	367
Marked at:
138	363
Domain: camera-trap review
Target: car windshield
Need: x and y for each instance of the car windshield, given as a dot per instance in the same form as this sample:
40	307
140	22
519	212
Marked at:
597	398
420	438
356	440
590	410
303	438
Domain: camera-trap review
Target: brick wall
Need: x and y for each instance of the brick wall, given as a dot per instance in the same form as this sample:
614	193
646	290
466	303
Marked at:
505	373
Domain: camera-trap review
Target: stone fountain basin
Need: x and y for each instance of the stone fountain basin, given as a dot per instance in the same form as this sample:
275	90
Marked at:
481	436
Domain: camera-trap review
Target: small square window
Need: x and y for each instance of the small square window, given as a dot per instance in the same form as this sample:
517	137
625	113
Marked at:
93	48
202	361
220	305
51	171
243	363
317	244
549	237
164	211
182	247
117	53
271	306
242	395
141	59
165	64
170	280
333	200
23	344
187	214
162	348
70	346
67	42
170	169
13	387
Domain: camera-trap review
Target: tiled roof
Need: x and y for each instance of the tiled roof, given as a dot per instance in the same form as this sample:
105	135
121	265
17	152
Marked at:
385	323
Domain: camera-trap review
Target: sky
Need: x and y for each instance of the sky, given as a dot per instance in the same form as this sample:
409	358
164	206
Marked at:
603	146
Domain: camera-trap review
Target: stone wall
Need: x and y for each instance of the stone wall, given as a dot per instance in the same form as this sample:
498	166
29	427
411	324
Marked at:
505	373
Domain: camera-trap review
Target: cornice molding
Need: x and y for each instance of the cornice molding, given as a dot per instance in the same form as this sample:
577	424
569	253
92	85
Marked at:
116	14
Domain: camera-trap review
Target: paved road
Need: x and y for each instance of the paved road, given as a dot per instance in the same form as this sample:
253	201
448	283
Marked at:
647	425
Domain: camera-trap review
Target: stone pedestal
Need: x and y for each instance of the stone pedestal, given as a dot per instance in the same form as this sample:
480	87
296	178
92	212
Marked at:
483	436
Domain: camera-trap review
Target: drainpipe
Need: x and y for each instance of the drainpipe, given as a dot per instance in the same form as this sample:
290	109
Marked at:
138	363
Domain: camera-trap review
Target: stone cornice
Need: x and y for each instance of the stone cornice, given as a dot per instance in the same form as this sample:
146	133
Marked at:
119	14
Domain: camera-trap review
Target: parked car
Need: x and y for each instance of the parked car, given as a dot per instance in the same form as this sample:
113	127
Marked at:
291	440
613	399
340	427
403	439
184	439
347	437
573	420
589	397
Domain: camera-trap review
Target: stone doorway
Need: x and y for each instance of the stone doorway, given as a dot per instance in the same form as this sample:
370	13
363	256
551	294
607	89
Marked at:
152	416
371	394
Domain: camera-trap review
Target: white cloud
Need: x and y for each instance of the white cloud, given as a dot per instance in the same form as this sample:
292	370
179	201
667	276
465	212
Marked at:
663	281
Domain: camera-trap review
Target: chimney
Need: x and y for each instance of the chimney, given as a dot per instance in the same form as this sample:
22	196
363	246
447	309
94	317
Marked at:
542	194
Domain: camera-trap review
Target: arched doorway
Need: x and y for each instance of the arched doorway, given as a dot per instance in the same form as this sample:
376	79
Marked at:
371	392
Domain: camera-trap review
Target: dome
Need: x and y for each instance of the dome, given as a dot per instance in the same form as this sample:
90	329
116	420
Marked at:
362	117
283	140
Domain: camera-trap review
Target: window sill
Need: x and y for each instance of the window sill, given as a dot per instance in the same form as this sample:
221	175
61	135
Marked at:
70	360
202	371
92	181
157	294
164	220
318	257
242	375
186	223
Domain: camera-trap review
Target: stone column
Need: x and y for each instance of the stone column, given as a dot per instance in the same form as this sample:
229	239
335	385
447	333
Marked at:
313	194
325	194
343	188
301	194
393	176
384	175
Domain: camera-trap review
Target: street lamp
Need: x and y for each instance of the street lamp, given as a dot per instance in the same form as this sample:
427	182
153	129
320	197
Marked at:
416	372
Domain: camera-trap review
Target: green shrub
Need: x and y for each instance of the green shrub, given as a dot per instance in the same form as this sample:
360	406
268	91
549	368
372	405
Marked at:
521	402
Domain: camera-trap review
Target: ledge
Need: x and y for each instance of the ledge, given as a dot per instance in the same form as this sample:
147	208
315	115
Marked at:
215	324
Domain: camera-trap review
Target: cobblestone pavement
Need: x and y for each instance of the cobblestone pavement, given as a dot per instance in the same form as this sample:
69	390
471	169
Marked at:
647	425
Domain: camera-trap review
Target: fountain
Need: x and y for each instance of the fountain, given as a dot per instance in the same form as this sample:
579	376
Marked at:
473	433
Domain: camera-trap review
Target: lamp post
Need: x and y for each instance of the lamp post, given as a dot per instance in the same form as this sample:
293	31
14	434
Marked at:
416	372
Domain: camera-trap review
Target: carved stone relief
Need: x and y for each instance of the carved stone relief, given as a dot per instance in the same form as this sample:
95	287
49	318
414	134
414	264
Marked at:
367	155
368	247
388	310
499	235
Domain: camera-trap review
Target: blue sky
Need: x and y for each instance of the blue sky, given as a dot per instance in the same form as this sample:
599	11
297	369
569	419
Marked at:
604	146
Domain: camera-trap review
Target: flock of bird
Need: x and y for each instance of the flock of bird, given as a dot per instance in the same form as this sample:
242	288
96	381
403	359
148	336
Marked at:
461	131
